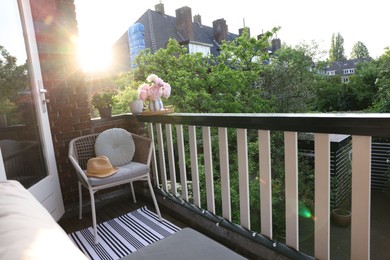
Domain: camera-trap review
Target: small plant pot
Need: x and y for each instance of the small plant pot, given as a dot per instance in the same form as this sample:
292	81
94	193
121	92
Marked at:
136	106
105	112
341	217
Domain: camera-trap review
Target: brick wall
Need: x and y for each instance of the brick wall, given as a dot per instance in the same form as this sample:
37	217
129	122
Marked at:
69	114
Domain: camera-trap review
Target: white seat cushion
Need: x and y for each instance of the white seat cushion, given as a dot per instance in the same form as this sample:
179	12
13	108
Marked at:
117	144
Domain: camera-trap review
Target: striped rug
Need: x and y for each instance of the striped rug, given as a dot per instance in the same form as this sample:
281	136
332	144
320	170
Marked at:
123	235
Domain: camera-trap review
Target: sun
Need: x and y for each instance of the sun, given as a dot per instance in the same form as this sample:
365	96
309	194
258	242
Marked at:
94	57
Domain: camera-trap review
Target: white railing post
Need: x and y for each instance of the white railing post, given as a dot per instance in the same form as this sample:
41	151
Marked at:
161	156
361	197
265	183
322	196
194	165
208	168
225	175
182	162
291	179
243	178
154	162
171	158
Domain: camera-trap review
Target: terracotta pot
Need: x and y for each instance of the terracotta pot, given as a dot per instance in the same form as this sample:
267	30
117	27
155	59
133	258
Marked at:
341	217
105	112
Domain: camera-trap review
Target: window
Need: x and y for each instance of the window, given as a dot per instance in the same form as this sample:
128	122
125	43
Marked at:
348	71
199	47
344	79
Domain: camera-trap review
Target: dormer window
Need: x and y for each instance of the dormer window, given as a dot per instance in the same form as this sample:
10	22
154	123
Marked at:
331	72
348	71
194	47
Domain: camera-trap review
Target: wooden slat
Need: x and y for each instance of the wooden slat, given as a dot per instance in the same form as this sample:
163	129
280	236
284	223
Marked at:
161	156
154	162
242	150
171	158
361	197
291	178
322	195
225	175
182	162
194	165
265	183
208	166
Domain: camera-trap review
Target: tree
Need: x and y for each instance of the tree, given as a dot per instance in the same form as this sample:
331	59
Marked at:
13	78
289	79
382	103
359	50
336	52
227	83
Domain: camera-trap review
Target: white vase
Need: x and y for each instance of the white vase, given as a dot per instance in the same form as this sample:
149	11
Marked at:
136	106
156	105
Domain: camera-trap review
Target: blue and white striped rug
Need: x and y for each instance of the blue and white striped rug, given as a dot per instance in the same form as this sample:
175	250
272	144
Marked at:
123	235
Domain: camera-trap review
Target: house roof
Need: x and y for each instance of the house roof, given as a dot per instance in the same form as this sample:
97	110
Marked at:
158	29
339	66
162	27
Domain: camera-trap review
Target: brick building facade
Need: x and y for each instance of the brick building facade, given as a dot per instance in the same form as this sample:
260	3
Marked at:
69	114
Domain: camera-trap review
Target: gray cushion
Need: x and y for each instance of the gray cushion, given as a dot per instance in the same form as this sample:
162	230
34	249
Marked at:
117	144
130	170
186	244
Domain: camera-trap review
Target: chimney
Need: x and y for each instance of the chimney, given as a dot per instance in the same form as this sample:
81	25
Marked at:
184	23
159	8
276	44
198	19
220	30
240	31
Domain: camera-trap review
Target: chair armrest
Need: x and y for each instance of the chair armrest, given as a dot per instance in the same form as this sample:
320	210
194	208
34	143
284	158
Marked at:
143	149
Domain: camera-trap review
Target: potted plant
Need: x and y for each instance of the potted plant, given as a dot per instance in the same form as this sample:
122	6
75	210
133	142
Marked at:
103	101
153	92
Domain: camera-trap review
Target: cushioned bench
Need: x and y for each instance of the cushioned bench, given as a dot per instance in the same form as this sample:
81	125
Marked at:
186	244
27	230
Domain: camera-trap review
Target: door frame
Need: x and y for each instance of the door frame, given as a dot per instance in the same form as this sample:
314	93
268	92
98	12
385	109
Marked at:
48	190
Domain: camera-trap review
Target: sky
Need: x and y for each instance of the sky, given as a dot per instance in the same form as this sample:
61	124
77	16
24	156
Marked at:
300	20
102	22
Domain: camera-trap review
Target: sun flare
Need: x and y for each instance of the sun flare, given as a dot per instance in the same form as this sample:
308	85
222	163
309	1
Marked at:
94	57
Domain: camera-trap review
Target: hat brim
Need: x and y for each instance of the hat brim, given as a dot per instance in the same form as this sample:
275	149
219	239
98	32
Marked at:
114	170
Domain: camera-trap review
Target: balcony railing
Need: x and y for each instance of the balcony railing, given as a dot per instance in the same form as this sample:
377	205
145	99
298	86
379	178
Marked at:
198	133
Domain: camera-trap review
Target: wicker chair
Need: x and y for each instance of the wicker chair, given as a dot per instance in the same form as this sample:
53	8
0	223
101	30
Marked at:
81	149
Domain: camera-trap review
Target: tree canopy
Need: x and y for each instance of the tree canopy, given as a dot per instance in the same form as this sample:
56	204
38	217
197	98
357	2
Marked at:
336	52
359	50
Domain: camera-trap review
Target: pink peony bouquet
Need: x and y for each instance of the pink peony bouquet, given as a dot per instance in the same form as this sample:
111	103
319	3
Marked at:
156	89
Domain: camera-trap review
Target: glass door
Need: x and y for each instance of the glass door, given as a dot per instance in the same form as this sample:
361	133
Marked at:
25	138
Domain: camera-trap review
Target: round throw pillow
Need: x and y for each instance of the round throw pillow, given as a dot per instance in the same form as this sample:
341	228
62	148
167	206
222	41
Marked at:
117	144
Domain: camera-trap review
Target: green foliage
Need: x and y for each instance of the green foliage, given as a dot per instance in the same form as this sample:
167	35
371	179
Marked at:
336	52
359	50
13	78
127	91
382	103
289	80
227	83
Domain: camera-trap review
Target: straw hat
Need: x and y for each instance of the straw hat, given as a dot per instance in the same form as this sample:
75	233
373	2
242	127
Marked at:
100	167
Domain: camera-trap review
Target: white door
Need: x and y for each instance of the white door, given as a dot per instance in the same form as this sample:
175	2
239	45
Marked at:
25	137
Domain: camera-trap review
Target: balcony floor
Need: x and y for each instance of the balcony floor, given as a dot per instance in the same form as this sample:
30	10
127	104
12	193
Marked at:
340	237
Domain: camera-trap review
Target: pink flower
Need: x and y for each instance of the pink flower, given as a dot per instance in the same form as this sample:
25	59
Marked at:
157	89
143	91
